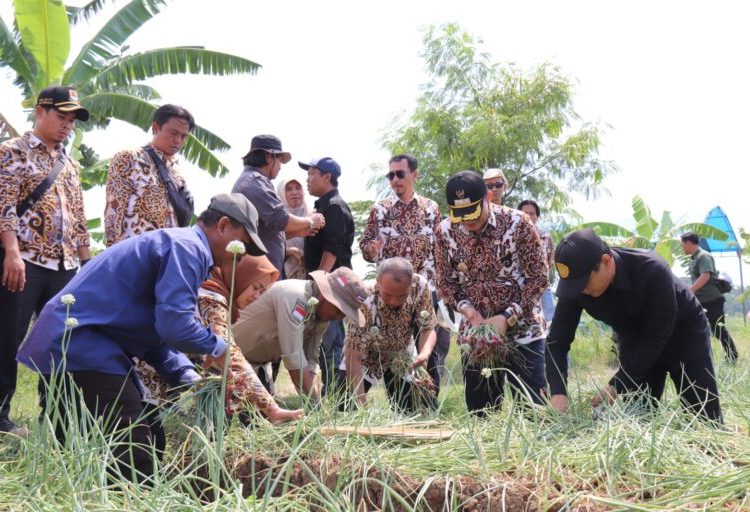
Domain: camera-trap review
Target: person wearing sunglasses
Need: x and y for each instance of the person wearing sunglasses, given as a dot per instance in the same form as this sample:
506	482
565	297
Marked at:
496	184
404	225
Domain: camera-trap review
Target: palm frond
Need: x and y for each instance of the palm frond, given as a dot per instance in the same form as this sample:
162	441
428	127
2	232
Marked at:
171	61
45	34
196	152
645	225
106	44
607	229
703	230
210	139
11	54
79	14
94	175
142	91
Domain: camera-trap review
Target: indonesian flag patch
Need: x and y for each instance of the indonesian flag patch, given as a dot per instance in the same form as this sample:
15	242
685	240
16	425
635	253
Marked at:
343	281
298	312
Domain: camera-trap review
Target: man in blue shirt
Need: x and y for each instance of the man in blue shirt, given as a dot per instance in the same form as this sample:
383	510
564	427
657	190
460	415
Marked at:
138	298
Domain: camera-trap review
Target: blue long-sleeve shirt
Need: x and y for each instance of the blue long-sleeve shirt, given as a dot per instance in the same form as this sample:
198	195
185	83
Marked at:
137	298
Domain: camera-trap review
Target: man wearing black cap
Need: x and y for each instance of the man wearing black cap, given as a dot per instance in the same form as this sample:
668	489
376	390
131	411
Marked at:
137	299
42	226
661	327
330	248
262	164
492	269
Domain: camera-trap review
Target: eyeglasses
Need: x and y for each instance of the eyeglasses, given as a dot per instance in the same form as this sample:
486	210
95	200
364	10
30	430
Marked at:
499	185
400	174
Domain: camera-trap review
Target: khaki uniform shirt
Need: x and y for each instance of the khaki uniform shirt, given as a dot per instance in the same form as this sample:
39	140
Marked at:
274	327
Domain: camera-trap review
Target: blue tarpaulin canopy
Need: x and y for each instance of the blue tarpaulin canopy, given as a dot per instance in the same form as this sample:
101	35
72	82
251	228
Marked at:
718	219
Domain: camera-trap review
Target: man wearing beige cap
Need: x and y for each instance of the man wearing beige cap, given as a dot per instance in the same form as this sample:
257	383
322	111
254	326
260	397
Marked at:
288	321
496	184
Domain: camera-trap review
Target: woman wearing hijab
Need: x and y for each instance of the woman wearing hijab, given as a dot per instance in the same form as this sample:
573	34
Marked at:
253	276
292	194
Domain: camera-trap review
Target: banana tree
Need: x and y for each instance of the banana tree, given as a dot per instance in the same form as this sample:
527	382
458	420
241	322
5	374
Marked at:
106	76
663	237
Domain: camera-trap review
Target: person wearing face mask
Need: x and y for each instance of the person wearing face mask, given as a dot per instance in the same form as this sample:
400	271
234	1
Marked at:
661	327
43	231
292	194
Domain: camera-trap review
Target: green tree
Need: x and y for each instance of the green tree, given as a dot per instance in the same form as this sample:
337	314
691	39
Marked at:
104	73
476	114
663	237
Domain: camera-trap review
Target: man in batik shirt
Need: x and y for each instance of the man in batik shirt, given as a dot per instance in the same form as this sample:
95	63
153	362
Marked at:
137	197
399	304
43	245
406	226
492	268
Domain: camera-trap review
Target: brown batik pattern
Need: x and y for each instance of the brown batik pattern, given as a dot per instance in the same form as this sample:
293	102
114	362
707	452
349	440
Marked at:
246	387
504	266
55	227
407	230
387	332
137	199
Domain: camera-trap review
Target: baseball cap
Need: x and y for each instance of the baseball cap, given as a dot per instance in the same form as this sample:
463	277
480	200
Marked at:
237	207
325	164
493	173
465	192
64	99
344	289
575	257
269	144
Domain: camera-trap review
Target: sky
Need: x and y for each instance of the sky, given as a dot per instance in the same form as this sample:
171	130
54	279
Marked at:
668	80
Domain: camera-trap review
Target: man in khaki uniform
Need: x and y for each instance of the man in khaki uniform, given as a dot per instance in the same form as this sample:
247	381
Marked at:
284	323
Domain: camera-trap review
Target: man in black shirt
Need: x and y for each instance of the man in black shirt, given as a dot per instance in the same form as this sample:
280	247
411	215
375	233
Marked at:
330	248
660	325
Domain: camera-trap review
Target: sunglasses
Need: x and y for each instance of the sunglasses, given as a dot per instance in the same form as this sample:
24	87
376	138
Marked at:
498	185
397	174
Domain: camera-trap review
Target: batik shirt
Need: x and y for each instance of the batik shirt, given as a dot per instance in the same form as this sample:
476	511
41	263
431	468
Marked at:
387	333
501	268
55	227
407	229
137	198
212	310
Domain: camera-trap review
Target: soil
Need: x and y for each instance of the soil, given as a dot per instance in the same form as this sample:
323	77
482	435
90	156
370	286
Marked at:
374	489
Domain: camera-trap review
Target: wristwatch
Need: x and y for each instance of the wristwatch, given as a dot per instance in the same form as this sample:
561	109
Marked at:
510	317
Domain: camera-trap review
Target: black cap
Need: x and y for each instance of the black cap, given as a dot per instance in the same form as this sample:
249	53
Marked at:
575	258
465	192
239	209
64	99
269	144
325	164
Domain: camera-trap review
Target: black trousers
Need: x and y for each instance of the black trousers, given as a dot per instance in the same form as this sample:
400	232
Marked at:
398	392
436	362
715	314
525	374
16	309
114	400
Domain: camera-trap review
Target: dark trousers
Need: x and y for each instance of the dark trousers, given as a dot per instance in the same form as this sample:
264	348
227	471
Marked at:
331	350
693	378
398	392
715	314
436	362
525	374
112	399
16	309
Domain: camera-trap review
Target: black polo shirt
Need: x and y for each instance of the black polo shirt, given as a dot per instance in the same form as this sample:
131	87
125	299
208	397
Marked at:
336	237
654	314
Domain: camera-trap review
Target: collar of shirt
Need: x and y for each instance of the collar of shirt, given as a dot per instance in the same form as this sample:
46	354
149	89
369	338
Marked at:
491	222
325	199
622	280
204	239
34	141
414	199
168	160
